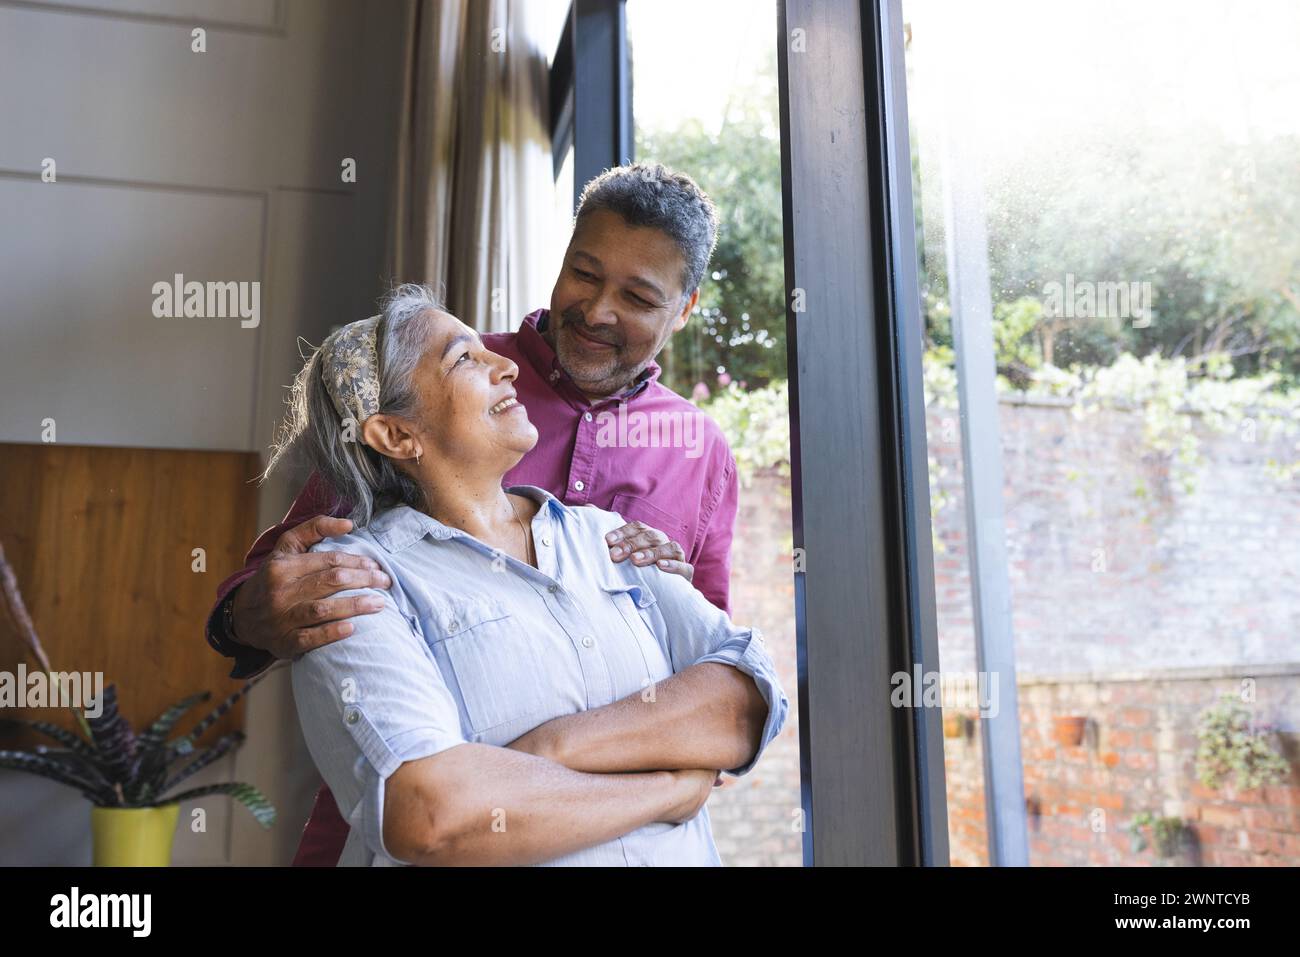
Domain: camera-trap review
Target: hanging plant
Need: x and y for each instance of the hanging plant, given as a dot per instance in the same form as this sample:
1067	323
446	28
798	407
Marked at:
1167	832
1231	743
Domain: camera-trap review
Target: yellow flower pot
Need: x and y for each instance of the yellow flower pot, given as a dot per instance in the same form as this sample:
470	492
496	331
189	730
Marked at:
133	836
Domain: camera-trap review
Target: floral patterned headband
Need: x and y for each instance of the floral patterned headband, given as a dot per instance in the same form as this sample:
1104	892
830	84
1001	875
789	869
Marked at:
350	368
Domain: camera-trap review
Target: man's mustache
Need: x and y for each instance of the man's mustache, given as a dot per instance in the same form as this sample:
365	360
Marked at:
573	317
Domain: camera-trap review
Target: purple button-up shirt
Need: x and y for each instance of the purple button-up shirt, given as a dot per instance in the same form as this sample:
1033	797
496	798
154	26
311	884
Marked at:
647	454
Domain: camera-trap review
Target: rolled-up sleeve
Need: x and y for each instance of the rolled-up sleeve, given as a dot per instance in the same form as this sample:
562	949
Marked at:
745	652
699	632
369	703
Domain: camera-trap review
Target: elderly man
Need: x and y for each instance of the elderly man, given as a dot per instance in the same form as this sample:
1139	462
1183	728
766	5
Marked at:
630	278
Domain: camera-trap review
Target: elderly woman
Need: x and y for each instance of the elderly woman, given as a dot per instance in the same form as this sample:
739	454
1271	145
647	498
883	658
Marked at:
520	698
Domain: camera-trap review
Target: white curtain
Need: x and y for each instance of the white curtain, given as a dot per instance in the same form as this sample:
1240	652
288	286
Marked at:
473	194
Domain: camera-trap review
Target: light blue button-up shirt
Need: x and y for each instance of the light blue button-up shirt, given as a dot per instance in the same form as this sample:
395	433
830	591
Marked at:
475	645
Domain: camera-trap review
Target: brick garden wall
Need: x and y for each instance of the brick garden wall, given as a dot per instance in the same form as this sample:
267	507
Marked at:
756	817
1112	564
1135	602
1137	755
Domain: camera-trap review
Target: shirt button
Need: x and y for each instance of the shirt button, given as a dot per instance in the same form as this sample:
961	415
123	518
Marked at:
587	416
352	717
553	589
546	540
578	485
588	641
453	626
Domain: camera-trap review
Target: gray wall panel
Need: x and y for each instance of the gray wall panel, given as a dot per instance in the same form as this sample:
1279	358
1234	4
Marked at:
231	13
128	100
81	344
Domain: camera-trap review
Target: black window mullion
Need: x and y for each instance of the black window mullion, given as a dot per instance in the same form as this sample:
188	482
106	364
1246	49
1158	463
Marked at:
561	96
602	89
872	773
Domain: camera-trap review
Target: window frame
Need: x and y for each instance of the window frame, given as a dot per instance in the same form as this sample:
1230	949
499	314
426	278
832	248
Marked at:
591	92
873	775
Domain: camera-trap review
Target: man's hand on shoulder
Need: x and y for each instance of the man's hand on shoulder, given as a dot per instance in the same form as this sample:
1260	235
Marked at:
648	546
286	608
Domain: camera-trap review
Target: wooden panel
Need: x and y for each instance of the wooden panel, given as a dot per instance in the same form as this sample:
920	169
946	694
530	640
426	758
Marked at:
101	542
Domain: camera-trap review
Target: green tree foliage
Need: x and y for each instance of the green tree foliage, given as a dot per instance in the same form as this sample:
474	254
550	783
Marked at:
738	329
1213	225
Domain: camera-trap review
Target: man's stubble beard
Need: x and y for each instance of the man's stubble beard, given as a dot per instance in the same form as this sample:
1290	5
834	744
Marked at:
608	377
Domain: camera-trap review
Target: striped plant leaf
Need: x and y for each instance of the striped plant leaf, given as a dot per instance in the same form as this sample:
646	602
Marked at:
53	769
72	742
245	794
184	745
114	739
203	760
156	734
155	754
88	767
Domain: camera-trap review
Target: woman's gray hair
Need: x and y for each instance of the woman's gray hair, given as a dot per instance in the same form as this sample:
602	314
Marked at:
318	438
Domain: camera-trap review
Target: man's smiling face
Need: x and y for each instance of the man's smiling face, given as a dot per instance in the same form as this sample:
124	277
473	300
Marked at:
617	301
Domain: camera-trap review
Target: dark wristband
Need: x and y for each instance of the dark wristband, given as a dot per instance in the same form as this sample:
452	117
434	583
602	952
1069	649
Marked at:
228	616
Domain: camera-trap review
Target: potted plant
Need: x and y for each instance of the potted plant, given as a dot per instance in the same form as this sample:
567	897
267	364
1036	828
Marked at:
1167	832
128	778
1068	730
1231	743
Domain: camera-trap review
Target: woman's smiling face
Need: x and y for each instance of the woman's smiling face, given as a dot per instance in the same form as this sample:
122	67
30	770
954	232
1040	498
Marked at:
467	410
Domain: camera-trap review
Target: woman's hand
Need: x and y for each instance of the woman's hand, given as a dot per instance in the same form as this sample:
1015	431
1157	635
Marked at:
695	784
648	546
547	741
543	741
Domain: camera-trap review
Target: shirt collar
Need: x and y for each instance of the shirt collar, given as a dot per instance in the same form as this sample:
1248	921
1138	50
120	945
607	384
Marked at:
542	358
401	526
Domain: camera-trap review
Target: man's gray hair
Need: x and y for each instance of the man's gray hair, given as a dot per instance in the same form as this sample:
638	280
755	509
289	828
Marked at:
651	194
316	436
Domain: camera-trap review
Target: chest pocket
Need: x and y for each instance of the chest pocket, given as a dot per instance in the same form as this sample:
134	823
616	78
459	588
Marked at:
636	606
498	669
677	528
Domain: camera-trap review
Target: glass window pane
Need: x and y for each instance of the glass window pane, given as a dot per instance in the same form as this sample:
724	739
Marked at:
710	109
1130	174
